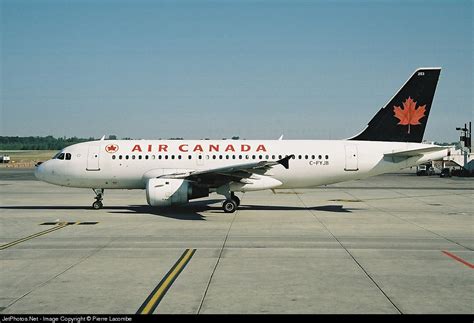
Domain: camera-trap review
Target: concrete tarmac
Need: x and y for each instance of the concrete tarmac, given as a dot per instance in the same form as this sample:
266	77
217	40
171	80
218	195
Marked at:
395	243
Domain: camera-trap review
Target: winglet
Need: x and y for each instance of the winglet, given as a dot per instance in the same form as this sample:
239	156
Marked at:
103	138
285	161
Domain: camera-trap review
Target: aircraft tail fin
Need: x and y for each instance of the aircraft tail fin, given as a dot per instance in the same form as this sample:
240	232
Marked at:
404	117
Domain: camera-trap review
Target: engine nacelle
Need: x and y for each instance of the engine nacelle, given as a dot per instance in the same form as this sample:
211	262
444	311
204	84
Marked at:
166	191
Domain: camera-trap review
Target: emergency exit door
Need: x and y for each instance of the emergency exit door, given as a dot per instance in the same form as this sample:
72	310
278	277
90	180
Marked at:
352	158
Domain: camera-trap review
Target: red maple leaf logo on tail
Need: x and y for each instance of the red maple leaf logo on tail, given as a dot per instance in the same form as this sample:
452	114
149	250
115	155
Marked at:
409	115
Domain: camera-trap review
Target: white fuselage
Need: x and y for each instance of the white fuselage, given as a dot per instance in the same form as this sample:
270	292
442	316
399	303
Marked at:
128	164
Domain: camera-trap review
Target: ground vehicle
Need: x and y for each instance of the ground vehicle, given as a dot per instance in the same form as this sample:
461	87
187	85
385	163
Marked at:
445	172
4	159
424	170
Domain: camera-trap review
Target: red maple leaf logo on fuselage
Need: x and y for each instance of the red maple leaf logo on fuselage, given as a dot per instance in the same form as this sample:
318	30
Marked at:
111	148
409	115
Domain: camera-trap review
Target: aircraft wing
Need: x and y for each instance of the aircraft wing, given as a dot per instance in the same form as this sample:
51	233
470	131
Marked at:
215	177
415	152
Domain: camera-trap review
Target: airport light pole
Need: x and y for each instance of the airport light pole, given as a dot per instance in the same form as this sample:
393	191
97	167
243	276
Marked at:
465	140
465	137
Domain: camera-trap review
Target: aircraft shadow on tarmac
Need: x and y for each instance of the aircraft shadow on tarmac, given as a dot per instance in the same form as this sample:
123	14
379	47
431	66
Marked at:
190	211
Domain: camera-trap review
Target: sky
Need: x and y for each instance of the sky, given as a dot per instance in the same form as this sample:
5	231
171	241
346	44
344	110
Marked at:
217	69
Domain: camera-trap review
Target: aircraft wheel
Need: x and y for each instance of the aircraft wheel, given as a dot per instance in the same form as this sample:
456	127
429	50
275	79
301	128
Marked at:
97	205
229	206
236	200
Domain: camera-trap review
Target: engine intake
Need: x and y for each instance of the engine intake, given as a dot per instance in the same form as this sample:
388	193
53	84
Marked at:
166	191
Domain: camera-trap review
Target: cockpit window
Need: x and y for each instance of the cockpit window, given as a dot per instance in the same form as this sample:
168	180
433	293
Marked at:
56	156
68	156
61	156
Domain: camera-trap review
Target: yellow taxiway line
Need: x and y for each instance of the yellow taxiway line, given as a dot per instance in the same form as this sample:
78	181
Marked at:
159	292
60	225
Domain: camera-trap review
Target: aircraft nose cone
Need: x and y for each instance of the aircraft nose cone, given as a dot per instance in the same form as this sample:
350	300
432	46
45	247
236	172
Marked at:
39	171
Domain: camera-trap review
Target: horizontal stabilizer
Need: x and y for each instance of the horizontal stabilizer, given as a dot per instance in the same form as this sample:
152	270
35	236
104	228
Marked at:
414	152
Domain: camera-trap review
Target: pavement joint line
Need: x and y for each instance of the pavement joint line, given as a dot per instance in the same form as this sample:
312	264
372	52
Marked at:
35	235
459	259
350	255
418	198
415	224
155	297
62	272
217	262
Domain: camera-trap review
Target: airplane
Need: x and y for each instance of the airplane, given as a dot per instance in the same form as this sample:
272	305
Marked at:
175	171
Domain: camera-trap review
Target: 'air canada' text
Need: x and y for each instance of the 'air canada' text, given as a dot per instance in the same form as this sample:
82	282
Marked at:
198	148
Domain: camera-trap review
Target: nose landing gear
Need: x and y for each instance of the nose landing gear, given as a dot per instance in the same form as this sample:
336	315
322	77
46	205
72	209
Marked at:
99	192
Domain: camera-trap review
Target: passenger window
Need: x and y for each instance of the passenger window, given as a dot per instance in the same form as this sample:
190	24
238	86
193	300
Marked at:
68	156
120	156
189	157
139	156
327	157
133	156
146	156
126	156
113	156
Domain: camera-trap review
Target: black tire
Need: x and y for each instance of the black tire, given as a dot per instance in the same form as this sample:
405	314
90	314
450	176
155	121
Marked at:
236	200
97	205
229	206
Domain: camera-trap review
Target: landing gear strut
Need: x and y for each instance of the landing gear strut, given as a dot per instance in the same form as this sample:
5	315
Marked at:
231	202
99	193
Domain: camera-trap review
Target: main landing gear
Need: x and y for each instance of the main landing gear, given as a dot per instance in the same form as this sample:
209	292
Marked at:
231	204
99	193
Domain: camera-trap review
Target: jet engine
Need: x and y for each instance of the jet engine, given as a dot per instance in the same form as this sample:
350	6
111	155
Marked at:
166	191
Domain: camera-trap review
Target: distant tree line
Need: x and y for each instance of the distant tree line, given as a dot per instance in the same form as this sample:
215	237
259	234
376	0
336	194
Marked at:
50	142
38	143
